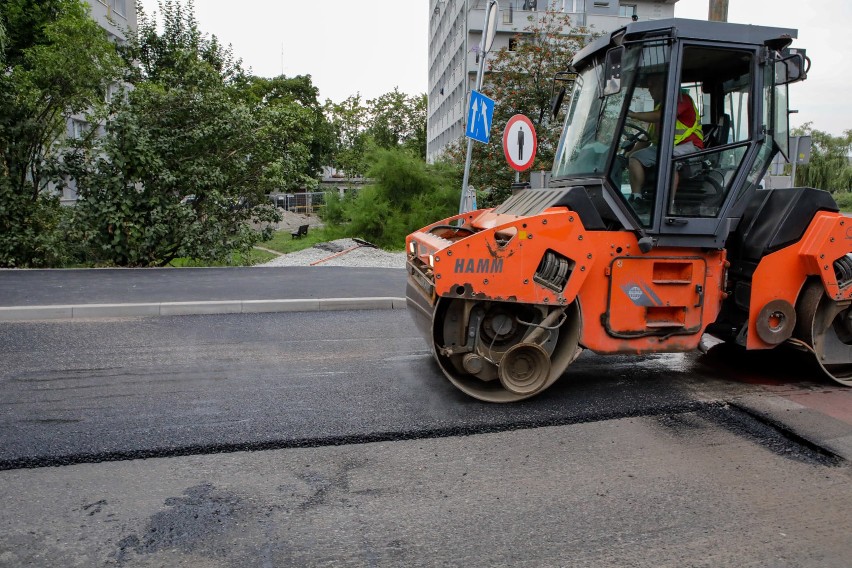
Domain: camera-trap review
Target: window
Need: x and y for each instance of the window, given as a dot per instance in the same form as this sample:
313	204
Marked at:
723	79
513	44
77	129
111	91
578	9
781	132
627	10
115	7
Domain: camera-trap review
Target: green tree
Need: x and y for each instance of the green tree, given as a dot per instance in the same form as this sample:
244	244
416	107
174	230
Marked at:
520	81
349	120
163	144
416	141
165	48
392	121
282	91
2	41
829	166
396	119
193	125
57	62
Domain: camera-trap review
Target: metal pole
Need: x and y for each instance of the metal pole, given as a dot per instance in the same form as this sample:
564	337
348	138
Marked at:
795	159
478	86
718	11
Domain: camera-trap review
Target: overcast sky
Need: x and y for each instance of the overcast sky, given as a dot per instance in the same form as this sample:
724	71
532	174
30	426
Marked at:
347	47
371	47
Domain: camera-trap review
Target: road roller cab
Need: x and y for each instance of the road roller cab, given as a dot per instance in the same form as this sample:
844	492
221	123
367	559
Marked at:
654	228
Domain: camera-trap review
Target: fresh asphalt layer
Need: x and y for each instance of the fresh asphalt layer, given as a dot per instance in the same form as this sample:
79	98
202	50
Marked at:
89	293
102	293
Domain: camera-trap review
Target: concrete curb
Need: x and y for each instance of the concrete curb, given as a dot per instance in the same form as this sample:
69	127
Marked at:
81	311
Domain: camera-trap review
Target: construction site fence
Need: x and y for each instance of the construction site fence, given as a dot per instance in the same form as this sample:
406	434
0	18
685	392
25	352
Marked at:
306	203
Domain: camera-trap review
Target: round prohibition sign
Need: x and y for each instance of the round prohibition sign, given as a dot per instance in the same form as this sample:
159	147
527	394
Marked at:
520	142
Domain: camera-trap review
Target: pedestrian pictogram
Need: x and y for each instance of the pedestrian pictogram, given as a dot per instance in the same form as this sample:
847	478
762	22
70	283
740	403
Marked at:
520	142
479	117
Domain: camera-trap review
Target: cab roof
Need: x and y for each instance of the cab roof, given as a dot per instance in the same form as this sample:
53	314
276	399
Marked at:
682	28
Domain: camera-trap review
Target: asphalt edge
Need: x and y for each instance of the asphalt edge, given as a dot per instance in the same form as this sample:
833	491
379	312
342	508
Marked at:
88	311
814	427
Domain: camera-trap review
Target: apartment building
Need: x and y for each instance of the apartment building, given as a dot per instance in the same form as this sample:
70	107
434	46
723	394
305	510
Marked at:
455	31
116	17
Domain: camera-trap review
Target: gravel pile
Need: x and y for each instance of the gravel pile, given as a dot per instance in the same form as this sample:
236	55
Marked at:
342	252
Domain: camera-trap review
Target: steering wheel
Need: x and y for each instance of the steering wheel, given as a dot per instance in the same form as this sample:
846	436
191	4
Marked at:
636	136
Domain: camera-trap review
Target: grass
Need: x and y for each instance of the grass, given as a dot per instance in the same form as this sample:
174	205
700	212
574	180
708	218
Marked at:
255	256
284	243
281	241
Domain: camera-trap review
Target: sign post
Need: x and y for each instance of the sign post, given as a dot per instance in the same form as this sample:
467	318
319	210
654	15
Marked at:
520	142
479	118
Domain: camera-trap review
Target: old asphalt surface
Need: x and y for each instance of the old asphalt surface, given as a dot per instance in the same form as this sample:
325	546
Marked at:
820	419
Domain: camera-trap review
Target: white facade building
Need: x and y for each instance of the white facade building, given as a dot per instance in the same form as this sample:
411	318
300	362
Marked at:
116	17
455	31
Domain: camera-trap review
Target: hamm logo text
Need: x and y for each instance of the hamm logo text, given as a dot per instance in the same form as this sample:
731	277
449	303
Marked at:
481	265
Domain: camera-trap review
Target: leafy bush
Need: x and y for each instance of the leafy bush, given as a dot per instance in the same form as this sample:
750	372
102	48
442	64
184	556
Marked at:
57	61
406	195
34	233
160	145
844	200
829	166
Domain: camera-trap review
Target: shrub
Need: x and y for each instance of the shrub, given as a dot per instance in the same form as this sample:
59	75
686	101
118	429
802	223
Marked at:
406	194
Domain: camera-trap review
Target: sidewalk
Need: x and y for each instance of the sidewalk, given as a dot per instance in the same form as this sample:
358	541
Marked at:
89	293
821	415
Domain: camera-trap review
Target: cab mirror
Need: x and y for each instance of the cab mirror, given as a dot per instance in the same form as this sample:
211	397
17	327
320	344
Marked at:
556	102
612	71
561	81
791	68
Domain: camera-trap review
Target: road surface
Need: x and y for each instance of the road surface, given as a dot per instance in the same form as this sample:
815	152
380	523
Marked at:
320	439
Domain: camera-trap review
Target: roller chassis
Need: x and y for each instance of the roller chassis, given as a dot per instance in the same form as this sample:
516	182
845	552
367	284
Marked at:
496	304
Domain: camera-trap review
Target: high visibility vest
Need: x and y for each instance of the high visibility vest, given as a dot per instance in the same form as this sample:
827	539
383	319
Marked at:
683	131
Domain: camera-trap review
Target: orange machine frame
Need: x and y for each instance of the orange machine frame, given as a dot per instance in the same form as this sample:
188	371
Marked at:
630	302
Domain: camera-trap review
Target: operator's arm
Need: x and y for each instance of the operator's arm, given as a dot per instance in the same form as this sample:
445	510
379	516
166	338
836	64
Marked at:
647	116
653	117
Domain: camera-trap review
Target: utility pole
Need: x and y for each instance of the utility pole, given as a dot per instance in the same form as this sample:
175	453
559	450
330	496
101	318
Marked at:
718	11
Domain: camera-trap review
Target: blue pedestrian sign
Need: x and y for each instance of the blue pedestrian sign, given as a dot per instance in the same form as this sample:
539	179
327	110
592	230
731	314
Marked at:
479	116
